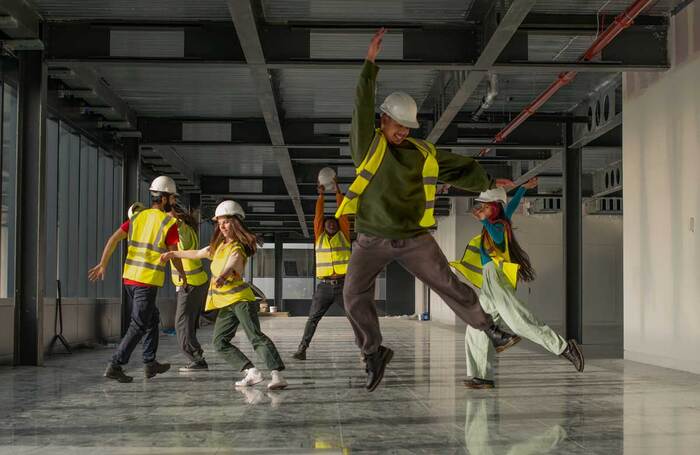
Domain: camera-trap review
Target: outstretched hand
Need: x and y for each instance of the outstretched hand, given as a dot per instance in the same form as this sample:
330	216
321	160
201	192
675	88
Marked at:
530	184
96	273
506	184
375	45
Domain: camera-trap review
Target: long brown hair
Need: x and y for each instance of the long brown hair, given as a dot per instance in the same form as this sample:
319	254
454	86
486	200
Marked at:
517	255
241	233
185	216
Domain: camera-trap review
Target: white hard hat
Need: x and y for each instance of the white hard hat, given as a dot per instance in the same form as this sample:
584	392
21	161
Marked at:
326	176
229	208
493	195
135	208
401	107
163	184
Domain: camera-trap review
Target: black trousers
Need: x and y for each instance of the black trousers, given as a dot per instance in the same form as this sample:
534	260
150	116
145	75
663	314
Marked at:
145	319
326	295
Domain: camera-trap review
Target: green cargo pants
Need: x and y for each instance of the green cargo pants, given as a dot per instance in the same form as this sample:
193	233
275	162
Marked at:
498	299
245	314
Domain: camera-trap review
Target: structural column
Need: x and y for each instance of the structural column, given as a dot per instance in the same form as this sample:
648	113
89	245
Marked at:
132	179
278	272
573	236
31	197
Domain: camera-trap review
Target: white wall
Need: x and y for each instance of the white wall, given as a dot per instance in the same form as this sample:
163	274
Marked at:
661	152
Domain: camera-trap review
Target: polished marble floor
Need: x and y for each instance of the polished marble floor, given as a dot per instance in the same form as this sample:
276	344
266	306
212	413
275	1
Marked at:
541	405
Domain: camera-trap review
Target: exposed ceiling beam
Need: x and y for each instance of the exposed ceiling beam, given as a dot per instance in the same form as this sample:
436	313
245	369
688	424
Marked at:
500	68
244	22
174	160
92	81
552	164
446	47
451	146
500	38
19	20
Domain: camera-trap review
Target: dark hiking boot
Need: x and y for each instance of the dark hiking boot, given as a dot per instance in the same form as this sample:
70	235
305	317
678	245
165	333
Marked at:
376	364
117	373
300	354
478	383
198	365
500	339
153	368
573	354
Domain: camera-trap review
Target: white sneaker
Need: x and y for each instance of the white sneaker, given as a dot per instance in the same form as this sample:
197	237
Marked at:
253	376
277	382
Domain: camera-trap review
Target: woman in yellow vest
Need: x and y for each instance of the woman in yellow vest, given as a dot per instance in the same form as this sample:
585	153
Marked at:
190	298
332	257
494	262
231	246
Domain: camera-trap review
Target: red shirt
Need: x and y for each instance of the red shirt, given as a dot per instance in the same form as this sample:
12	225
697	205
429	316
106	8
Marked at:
171	238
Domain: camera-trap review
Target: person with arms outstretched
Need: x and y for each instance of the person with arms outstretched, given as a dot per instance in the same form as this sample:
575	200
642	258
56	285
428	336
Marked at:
393	200
494	262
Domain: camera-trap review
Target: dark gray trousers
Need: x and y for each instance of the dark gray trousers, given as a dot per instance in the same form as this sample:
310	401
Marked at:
422	257
326	295
190	303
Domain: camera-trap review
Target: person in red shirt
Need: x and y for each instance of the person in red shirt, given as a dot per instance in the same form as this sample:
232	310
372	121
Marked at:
143	275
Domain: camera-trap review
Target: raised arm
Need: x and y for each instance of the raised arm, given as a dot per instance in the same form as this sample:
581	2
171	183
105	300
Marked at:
318	216
362	129
514	202
517	197
343	221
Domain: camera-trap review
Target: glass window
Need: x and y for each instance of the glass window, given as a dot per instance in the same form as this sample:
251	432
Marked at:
298	273
8	192
264	270
51	205
85	221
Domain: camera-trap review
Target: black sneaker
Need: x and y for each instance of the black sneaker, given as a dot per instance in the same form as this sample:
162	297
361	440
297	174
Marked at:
500	339
478	383
376	364
197	365
117	373
300	354
153	368
573	354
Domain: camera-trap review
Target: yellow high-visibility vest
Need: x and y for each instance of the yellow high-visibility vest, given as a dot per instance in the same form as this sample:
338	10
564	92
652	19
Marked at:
470	266
196	276
234	290
147	231
370	165
332	255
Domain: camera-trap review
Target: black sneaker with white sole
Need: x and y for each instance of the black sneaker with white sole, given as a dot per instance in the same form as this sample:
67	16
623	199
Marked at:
196	366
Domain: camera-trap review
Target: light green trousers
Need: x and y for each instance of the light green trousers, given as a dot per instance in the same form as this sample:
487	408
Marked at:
498	298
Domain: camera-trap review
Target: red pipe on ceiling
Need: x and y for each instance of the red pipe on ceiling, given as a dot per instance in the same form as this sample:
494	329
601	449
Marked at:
621	22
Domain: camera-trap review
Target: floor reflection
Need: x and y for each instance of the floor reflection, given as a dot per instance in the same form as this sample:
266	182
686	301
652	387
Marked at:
541	405
484	436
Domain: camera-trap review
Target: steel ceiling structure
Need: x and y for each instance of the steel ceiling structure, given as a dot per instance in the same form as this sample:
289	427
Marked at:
252	97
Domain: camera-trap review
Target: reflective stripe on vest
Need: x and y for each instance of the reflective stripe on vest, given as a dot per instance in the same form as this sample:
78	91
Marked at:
370	165
332	255
146	239
196	276
234	290
471	268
